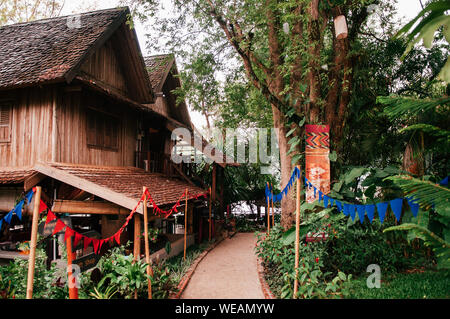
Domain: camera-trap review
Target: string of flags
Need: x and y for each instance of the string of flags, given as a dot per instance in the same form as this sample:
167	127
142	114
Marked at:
277	198
87	241
17	210
350	209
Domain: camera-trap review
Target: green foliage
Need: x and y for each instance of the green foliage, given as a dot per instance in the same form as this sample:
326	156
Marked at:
419	285
430	20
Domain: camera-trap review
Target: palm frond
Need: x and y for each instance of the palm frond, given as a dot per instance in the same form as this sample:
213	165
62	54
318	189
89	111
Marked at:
400	106
425	193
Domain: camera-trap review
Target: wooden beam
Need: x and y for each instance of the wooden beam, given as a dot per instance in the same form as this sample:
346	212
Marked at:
88	207
88	186
32	181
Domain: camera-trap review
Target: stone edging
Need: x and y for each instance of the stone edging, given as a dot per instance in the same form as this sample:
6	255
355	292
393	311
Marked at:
264	285
187	276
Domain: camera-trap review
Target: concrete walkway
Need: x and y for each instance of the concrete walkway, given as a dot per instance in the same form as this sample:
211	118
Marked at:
229	271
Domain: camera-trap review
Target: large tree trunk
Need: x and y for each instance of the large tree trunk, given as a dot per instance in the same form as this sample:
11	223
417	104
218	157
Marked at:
288	202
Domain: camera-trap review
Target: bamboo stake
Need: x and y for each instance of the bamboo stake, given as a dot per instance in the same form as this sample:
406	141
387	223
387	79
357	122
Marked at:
137	237
147	247
33	240
73	290
273	212
210	207
185	225
268	212
297	233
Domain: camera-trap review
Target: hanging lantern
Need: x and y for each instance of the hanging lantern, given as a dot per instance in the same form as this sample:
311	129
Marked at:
340	26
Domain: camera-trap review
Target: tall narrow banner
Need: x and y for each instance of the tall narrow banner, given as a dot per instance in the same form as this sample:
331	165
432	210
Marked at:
317	161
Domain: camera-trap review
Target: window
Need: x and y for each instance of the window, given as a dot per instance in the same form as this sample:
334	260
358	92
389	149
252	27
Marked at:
102	130
5	121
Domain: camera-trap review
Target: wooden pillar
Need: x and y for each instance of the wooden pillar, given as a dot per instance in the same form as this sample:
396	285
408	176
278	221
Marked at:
33	241
210	215
185	224
137	236
72	281
147	247
297	232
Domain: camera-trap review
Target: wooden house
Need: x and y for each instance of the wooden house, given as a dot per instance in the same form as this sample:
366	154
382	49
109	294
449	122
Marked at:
83	115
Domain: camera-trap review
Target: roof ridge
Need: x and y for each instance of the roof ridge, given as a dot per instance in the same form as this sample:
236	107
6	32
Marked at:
44	20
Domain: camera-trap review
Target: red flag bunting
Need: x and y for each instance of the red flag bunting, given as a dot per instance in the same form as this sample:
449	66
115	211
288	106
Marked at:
96	242
78	237
69	233
42	207
50	217
87	241
117	237
59	226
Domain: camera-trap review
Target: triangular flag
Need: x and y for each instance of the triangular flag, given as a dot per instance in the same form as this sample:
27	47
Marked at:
396	206
331	201
346	209
325	201
1	222
117	237
96	243
361	211
29	196
352	211
320	196
339	205
42	206
370	210
69	233
77	238
87	242
381	208
8	217
413	205
50	217
315	190
58	227
18	209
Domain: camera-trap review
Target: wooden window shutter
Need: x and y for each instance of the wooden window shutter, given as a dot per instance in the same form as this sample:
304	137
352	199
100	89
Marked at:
5	122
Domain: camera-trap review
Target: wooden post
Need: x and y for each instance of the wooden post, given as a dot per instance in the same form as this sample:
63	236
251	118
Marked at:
273	213
268	212
147	247
210	208
33	240
185	224
73	290
297	232
137	236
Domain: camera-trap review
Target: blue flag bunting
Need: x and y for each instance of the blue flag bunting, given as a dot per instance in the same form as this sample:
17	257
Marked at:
8	217
30	194
382	207
352	212
396	206
320	196
413	205
325	201
370	210
339	205
346	209
1	222
361	212
18	209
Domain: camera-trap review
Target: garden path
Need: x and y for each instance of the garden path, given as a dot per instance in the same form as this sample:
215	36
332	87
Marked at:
229	271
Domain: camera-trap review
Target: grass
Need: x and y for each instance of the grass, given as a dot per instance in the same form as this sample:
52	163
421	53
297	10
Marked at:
424	285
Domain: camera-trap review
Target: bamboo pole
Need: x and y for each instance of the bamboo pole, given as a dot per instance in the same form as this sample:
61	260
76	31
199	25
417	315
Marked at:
268	212
147	247
297	232
185	225
33	240
137	237
210	208
273	213
73	290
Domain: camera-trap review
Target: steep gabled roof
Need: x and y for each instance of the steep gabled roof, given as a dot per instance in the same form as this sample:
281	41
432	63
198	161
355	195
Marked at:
158	67
52	50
